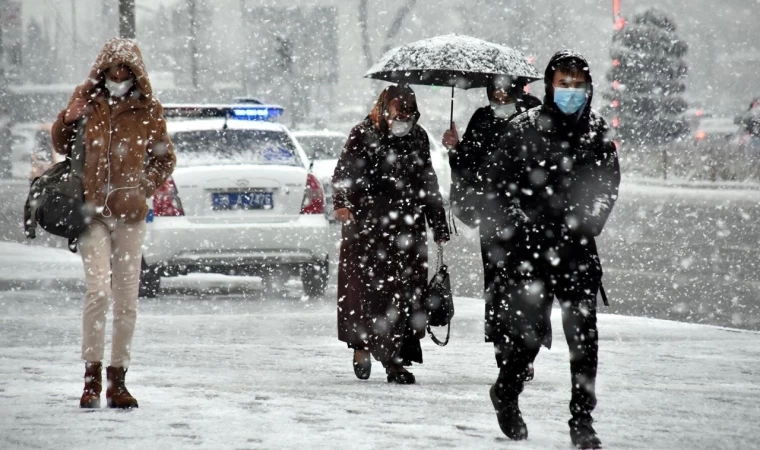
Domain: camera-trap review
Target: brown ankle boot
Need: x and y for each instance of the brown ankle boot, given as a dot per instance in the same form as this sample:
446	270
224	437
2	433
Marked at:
117	395
93	385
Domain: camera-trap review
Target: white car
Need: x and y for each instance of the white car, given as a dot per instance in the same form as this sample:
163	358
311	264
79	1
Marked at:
241	201
324	148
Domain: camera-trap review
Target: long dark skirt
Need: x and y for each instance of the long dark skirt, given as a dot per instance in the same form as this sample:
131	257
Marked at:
381	279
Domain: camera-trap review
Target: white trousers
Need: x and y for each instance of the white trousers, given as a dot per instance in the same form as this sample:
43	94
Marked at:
112	255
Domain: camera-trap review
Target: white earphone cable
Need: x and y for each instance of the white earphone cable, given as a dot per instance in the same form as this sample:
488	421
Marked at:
106	210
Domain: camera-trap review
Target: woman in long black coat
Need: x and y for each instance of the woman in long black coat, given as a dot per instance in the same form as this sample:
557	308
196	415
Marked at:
385	192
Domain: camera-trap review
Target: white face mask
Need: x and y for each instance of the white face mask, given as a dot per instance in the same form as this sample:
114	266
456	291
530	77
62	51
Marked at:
400	128
503	111
118	89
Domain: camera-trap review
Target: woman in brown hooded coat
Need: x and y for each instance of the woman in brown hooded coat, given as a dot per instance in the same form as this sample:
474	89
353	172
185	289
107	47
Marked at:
385	192
128	155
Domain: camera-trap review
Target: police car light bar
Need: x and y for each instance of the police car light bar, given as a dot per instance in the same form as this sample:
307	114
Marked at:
232	112
249	112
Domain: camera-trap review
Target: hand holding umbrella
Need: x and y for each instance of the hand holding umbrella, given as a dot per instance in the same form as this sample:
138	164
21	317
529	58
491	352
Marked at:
451	137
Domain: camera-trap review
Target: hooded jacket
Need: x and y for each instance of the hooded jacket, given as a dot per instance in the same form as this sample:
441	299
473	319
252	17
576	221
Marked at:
556	176
550	189
128	153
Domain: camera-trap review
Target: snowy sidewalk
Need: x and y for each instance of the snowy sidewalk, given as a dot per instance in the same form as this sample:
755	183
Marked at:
248	371
25	266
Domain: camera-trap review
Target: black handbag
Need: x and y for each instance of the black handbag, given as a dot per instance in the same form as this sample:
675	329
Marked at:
439	302
56	198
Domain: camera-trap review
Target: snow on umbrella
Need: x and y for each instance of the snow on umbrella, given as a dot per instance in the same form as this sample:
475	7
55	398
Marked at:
452	60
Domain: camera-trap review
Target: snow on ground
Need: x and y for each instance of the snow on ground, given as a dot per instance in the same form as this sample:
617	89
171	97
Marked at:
251	370
29	262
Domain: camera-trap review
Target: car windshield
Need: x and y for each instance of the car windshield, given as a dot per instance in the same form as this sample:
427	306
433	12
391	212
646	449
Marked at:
234	147
322	147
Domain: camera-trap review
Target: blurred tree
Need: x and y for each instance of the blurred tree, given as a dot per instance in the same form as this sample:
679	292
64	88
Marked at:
406	8
648	80
3	81
127	18
38	55
515	24
364	26
5	130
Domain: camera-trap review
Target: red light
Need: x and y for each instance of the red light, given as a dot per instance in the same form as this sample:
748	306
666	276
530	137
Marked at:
699	113
701	135
166	202
620	23
616	85
616	62
615	122
313	197
615	104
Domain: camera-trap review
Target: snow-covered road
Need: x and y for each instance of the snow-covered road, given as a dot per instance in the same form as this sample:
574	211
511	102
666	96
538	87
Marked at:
245	370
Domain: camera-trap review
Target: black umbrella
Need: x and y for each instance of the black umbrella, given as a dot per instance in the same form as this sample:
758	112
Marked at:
458	61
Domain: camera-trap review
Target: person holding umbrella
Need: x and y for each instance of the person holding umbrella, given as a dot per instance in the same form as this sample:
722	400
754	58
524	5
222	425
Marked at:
465	62
385	193
551	188
469	157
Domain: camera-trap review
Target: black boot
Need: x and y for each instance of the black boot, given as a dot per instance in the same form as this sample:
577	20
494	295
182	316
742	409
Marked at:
509	416
363	367
583	434
401	378
399	375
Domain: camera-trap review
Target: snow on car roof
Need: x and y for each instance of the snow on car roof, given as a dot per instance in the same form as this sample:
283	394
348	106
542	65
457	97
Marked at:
179	126
321	133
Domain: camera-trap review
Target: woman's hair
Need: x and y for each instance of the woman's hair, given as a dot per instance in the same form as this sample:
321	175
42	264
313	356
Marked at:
408	104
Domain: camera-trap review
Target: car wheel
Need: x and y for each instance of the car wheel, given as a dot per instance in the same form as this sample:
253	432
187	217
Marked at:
150	281
314	278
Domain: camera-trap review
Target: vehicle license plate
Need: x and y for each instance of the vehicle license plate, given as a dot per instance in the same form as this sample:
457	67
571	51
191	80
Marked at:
225	201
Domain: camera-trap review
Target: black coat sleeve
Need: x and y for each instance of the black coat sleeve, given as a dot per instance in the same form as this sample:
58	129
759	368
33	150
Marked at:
501	197
435	213
465	161
348	171
597	187
604	186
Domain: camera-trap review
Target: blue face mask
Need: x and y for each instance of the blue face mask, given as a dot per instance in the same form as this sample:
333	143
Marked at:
569	100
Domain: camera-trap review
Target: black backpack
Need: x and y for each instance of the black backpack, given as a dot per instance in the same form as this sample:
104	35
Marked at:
56	198
439	302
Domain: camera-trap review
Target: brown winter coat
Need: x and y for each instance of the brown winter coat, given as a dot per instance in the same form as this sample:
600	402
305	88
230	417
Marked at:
389	185
131	133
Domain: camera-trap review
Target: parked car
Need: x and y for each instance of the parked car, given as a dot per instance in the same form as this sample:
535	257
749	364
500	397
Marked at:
31	150
240	202
715	131
323	148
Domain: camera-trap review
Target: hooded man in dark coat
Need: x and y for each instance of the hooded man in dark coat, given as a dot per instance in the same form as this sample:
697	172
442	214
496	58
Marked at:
550	190
468	157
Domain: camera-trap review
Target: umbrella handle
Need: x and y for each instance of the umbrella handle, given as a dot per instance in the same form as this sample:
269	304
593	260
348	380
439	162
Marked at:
451	119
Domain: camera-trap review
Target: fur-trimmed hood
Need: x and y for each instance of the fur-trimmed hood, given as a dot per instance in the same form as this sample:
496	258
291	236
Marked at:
116	52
